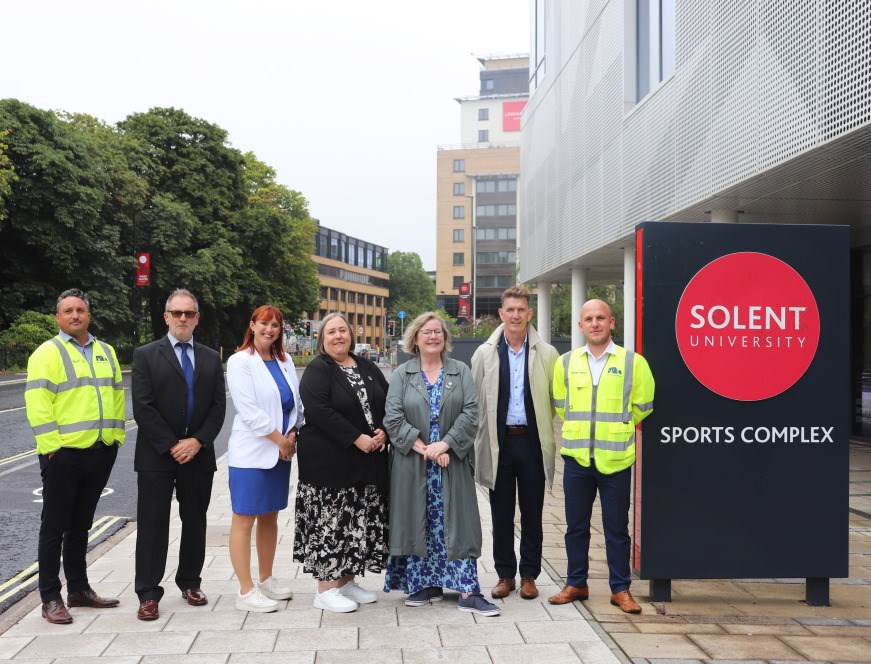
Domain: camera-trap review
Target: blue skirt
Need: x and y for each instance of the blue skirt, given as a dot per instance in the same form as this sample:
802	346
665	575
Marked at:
259	490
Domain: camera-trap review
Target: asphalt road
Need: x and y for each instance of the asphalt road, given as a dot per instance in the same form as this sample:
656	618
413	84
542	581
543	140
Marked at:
20	486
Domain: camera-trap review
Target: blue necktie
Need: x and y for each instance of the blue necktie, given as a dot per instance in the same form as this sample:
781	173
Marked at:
188	368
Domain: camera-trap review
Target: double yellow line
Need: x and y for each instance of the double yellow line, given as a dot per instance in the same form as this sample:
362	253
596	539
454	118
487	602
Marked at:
29	576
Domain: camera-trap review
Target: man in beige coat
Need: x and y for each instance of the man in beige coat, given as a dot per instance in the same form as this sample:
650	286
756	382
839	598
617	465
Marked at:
514	445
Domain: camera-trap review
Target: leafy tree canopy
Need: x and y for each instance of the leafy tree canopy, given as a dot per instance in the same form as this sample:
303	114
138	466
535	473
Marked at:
411	289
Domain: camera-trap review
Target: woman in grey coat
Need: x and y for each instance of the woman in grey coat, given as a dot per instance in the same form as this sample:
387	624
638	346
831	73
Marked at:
431	418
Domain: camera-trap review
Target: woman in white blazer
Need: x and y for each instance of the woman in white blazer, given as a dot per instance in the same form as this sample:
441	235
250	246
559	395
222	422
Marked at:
265	391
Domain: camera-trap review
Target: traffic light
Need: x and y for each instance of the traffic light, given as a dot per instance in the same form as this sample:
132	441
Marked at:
391	327
308	328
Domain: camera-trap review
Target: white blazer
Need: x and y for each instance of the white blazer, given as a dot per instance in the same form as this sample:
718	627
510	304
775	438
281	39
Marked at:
258	409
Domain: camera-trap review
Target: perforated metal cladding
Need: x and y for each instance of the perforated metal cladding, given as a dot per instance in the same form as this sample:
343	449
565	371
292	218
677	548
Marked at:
756	85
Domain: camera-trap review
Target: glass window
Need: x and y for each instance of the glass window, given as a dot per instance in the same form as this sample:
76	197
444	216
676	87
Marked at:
483	113
459	258
537	61
459	188
654	43
334	248
483	135
459	234
458	281
459	212
487	84
496	257
459	165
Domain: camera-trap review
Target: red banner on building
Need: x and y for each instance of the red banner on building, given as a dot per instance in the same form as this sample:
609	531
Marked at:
465	309
143	269
511	112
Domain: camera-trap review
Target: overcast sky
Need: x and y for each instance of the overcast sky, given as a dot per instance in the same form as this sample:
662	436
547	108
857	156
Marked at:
347	100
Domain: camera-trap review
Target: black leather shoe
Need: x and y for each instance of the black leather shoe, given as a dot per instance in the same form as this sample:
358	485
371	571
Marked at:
56	613
90	598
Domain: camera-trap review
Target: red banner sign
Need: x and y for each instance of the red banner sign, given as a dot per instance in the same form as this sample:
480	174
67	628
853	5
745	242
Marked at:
511	112
465	309
143	269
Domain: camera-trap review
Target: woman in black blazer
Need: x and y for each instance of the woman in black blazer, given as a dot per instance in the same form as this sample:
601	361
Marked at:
341	500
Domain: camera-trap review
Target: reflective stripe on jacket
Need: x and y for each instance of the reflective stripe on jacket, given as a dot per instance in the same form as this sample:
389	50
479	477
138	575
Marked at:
69	402
603	417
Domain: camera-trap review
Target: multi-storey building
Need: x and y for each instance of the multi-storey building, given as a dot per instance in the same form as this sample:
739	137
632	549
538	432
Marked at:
354	280
476	190
737	112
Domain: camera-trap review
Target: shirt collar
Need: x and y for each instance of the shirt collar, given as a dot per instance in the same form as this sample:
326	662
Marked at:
68	337
611	349
175	342
508	345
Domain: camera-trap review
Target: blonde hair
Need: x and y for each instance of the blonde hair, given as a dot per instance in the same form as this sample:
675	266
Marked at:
409	344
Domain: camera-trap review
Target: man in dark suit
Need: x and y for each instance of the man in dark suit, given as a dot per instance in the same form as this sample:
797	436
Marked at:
179	401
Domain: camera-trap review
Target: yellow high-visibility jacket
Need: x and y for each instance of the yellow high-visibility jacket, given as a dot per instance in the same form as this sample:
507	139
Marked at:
602	418
71	404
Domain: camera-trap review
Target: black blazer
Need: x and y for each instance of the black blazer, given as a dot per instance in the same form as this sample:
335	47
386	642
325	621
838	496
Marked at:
333	420
160	402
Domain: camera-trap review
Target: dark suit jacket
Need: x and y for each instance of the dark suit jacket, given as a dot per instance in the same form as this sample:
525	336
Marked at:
334	419
160	402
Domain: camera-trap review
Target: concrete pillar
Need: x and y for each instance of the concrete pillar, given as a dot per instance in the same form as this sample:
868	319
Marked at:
629	296
544	315
725	216
579	296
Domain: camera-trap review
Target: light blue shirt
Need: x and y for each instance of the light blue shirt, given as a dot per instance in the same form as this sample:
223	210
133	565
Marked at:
175	342
516	416
87	350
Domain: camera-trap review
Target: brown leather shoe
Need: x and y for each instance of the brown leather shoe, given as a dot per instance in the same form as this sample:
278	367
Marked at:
624	600
56	613
570	594
527	587
502	588
148	610
194	596
90	598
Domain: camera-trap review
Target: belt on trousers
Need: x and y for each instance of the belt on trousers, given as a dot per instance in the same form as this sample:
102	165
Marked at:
516	431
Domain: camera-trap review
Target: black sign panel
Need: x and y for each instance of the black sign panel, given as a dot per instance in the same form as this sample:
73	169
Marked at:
743	465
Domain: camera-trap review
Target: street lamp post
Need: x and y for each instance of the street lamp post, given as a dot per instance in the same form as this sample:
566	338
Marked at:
473	258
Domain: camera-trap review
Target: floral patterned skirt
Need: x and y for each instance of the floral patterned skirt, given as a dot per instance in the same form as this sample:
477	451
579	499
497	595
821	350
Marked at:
340	532
412	573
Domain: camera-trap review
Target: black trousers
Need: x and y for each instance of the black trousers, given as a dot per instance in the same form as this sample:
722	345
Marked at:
193	490
72	482
519	478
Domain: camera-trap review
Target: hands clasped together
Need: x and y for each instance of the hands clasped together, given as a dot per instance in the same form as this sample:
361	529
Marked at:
436	451
374	443
185	450
287	447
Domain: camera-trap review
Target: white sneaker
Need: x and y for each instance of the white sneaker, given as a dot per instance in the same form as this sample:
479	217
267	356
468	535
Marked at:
352	591
333	600
275	589
254	601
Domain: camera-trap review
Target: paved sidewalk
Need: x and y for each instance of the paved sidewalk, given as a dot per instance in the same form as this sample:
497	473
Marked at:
388	631
755	620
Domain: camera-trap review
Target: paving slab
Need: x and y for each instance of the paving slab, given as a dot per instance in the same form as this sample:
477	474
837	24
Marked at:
738	646
661	646
83	645
835	649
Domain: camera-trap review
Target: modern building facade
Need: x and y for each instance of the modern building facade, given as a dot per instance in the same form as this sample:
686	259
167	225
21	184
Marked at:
476	209
353	279
743	112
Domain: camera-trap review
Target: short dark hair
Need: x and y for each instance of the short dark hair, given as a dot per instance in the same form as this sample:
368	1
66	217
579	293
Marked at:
74	292
519	292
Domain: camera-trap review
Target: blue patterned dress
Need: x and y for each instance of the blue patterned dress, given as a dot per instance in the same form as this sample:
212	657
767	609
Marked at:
412	573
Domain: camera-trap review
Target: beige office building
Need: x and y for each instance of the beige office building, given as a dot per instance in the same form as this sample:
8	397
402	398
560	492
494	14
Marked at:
354	281
476	191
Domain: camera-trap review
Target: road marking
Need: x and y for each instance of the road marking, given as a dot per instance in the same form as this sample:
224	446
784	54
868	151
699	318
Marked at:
30	575
12	410
15	468
129	426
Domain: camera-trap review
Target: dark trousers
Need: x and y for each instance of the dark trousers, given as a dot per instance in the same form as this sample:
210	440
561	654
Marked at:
193	490
72	482
520	478
579	487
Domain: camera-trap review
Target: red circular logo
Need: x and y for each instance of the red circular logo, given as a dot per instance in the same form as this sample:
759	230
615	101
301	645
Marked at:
747	326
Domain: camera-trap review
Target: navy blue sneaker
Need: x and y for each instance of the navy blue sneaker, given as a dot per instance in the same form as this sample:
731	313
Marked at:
424	596
475	603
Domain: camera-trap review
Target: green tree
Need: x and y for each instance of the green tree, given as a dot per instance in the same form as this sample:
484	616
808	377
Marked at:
411	289
275	233
59	231
195	186
29	330
7	175
564	320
